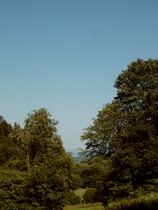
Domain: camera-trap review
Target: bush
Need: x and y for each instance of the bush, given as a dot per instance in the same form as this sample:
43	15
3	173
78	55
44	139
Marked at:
12	187
71	198
90	196
144	202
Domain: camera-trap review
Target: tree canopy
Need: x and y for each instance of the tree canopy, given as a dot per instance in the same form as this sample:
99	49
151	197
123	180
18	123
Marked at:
125	132
42	172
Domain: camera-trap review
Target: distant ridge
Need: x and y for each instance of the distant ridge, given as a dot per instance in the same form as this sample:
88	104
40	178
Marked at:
74	152
75	155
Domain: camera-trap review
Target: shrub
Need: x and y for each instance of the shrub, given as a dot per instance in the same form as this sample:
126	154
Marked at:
144	202
90	195
71	198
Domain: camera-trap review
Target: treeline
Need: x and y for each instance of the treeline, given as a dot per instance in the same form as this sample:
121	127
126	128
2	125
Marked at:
121	150
36	172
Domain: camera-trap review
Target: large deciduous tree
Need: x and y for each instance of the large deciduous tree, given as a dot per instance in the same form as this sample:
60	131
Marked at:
125	132
47	167
137	96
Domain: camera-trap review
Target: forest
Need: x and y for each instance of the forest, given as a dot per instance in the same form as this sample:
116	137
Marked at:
120	160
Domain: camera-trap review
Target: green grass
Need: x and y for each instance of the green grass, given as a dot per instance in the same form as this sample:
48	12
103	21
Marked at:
88	206
142	203
147	202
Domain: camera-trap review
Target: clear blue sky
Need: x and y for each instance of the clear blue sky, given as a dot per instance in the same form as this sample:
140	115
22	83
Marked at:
64	55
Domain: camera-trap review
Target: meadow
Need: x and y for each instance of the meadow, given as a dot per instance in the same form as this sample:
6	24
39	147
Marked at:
89	206
147	202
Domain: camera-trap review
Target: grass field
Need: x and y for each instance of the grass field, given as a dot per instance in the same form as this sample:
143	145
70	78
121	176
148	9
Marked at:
90	206
147	202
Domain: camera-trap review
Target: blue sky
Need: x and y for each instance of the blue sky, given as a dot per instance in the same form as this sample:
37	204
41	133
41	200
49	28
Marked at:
65	55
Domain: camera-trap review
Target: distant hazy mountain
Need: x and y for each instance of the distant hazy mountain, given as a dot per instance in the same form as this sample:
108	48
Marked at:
73	151
75	155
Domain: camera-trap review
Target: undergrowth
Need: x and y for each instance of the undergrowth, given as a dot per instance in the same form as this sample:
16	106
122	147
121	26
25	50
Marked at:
143	203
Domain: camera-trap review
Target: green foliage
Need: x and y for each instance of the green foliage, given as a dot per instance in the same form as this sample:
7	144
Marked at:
5	154
7	148
125	132
41	174
12	187
90	195
144	202
76	178
71	198
94	172
99	136
5	129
